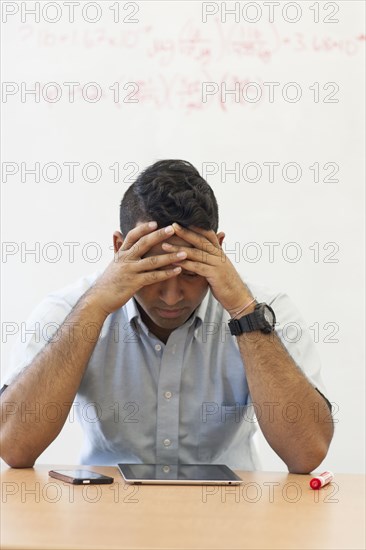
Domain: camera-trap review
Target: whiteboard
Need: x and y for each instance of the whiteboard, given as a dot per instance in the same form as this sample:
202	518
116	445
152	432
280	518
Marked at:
264	98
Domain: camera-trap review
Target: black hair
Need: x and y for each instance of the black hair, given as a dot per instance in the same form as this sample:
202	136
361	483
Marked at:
169	191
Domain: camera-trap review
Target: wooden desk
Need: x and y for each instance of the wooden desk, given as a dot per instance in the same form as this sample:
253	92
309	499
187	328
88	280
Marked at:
271	510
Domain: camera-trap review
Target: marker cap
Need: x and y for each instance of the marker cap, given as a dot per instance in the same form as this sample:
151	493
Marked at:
315	483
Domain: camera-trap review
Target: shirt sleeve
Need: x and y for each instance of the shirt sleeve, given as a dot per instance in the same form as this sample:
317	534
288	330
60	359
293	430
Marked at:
34	334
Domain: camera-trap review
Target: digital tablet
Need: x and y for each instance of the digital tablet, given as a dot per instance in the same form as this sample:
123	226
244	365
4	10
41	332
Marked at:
179	474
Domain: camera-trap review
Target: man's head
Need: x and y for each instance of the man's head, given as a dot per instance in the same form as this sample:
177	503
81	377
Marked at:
166	192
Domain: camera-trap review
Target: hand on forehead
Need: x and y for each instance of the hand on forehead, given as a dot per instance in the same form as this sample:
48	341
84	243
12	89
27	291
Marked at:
192	237
197	236
157	248
189	236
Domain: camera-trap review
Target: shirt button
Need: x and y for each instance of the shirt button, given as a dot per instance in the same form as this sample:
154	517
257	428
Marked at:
167	442
166	469
168	394
158	347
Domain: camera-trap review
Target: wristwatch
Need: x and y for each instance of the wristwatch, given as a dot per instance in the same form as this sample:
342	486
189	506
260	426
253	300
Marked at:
262	318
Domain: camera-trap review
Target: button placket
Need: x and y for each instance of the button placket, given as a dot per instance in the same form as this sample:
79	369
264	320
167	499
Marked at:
168	398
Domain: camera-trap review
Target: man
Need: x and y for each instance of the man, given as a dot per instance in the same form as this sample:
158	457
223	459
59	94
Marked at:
168	353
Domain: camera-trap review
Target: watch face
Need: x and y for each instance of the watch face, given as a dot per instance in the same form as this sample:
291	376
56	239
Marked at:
268	315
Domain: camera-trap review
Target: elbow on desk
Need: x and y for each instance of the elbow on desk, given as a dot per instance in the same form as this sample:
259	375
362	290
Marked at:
301	466
17	462
300	470
311	455
15	459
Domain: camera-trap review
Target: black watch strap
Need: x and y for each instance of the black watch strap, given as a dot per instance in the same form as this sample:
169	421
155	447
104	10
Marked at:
247	323
257	320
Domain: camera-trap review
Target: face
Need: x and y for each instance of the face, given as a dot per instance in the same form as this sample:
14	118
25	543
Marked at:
167	305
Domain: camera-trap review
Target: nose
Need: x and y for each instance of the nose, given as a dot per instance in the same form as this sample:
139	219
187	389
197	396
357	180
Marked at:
171	292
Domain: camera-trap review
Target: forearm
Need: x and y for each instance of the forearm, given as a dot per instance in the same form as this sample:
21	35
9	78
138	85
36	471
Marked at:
287	403
53	377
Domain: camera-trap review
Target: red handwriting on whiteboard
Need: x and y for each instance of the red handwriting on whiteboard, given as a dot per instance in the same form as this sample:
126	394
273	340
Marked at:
195	43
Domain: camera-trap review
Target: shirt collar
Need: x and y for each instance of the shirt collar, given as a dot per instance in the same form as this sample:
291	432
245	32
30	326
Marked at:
198	317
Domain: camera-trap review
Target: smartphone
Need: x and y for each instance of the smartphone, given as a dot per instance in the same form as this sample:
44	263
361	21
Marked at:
80	477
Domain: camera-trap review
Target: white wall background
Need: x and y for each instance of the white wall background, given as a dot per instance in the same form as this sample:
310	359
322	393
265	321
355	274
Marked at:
169	53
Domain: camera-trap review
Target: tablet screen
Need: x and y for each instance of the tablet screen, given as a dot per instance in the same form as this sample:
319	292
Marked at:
194	473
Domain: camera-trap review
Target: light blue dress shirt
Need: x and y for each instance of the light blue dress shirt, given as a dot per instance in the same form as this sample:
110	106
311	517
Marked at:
186	401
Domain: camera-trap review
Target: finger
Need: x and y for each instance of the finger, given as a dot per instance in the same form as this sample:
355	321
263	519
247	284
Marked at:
210	235
199	268
146	242
136	233
208	254
202	238
152	277
159	261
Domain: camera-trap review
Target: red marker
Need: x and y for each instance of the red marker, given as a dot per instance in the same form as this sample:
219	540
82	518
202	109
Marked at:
323	479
